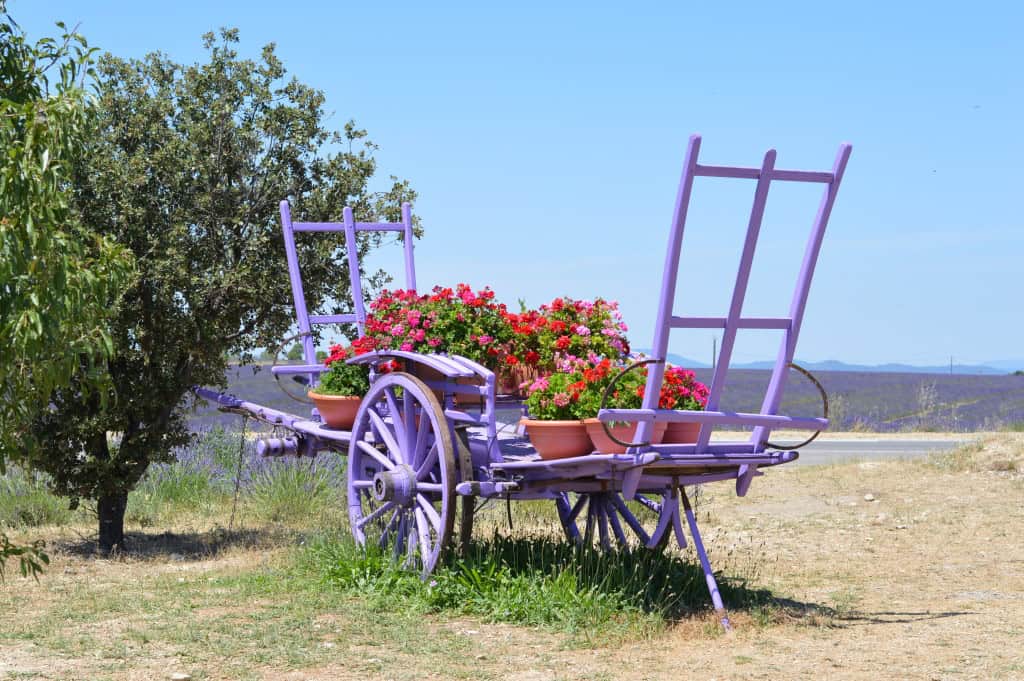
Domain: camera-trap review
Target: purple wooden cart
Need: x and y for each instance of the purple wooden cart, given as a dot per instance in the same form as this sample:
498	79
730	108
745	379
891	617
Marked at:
412	456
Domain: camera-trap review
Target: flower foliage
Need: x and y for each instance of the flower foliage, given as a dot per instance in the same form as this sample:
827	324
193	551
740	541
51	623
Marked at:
680	389
577	387
573	391
342	378
457	321
567	328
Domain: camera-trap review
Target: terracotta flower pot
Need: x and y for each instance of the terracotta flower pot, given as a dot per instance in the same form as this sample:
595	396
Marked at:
558	439
681	433
623	431
337	411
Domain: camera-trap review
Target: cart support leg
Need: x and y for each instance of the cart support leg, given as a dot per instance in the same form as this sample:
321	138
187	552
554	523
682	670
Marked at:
709	576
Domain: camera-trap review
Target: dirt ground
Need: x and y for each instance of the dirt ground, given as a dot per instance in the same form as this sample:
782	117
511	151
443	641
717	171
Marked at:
884	570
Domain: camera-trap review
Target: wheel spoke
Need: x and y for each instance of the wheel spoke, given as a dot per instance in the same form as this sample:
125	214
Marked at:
378	512
431	512
375	455
426	548
399	546
388	529
631	520
396	418
613	518
588	535
380	426
429	487
422	434
602	525
362	484
410	543
409	423
428	464
653	505
580	503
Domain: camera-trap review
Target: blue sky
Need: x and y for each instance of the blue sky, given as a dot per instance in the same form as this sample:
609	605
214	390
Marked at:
546	143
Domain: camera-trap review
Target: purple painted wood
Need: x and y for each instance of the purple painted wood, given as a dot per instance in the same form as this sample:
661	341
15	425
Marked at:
787	348
354	275
738	294
665	320
351	229
670	273
298	296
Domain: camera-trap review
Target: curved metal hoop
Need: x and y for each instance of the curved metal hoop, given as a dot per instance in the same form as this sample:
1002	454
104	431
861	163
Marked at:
607	393
277	354
824	402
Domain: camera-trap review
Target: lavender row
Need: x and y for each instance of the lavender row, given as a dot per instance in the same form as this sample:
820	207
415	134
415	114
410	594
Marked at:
884	402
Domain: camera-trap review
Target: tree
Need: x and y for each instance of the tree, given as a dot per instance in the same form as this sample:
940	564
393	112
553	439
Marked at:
186	173
295	352
58	279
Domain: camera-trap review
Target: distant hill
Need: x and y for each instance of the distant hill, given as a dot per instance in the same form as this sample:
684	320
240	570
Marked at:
993	368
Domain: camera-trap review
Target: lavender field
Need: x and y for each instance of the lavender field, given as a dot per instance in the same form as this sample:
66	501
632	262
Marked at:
869	401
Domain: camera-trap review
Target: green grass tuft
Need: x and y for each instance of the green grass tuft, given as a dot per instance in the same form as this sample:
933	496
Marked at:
536	581
25	501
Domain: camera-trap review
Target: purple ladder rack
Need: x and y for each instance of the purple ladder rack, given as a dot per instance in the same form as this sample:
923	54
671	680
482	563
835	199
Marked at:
350	227
734	320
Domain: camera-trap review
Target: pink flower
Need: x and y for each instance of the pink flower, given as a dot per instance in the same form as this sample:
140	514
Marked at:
561	399
484	339
418	335
582	330
397	330
406	346
434	342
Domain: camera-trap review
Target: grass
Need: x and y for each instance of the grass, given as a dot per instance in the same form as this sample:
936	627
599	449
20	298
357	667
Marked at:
538	581
304	584
26	502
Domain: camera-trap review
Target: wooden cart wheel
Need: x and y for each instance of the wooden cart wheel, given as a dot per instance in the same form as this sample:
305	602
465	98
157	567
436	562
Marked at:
401	472
604	518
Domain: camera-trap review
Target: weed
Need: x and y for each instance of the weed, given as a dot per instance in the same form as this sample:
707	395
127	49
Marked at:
960	459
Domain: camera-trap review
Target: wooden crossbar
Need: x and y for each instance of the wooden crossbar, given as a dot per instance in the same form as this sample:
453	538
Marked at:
782	323
340	226
349	318
757	173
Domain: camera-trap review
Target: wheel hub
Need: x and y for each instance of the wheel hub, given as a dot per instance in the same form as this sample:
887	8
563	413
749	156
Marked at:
395	485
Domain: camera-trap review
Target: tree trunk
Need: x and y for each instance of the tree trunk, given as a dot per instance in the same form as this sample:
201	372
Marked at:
110	508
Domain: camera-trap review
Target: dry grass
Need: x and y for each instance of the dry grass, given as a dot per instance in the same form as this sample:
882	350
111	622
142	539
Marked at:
923	582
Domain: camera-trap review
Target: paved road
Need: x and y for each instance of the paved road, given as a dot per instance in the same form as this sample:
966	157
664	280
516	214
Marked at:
836	451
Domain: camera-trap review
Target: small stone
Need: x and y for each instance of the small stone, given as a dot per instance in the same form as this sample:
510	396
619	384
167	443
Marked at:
326	644
869	497
176	557
181	676
901	527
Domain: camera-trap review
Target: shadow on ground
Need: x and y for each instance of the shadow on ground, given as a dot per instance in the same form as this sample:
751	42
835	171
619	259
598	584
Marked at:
184	546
